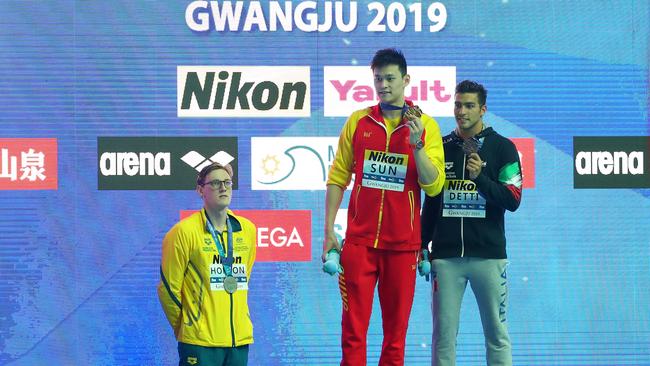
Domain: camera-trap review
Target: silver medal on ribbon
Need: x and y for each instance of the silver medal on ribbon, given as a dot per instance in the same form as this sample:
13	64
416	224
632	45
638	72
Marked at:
230	284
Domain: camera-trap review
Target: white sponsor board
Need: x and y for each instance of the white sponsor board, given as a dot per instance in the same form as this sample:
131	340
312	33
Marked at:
349	88
243	91
291	163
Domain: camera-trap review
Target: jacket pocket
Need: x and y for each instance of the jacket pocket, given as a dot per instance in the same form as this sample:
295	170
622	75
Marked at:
242	321
355	203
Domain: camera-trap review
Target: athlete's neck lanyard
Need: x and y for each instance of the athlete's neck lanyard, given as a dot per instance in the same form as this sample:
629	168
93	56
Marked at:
479	138
226	260
390	107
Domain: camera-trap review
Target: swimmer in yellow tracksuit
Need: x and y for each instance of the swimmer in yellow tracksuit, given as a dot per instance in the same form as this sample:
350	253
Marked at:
206	264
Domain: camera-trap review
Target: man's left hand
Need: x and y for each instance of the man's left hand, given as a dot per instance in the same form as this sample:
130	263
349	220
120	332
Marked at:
414	123
474	165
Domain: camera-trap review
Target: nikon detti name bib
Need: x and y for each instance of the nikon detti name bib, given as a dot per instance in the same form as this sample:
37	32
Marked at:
461	199
384	170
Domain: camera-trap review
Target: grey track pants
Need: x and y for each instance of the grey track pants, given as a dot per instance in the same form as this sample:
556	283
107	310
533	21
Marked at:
487	278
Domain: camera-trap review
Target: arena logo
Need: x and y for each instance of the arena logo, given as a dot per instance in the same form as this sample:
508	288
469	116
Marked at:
291	163
244	91
282	235
153	163
349	88
605	162
28	164
611	162
130	163
198	161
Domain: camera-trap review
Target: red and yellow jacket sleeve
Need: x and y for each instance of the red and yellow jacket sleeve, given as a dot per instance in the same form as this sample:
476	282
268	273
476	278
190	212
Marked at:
175	257
340	173
435	152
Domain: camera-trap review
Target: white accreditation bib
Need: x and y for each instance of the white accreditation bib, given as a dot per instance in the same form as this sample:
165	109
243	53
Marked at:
384	170
461	199
218	275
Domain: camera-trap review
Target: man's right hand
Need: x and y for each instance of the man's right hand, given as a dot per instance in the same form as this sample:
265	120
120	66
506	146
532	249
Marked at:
330	243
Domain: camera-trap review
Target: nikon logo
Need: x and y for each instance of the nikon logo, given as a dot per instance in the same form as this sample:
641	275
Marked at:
382	157
461	185
243	91
154	163
611	162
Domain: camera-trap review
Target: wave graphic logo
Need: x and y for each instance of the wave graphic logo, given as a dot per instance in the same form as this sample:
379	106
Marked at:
291	163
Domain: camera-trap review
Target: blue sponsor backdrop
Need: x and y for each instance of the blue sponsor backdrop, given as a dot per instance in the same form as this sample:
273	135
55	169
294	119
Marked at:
79	266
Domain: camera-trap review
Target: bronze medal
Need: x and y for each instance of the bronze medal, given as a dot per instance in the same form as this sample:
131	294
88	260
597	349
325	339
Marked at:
470	146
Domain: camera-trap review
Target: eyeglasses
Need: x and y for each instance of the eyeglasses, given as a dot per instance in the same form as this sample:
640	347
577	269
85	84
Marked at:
218	183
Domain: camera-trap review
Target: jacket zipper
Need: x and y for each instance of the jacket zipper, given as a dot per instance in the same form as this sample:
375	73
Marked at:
232	325
383	192
232	306
462	222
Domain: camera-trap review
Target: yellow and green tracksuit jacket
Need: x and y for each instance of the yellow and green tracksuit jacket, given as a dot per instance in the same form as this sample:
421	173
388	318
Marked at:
191	290
384	208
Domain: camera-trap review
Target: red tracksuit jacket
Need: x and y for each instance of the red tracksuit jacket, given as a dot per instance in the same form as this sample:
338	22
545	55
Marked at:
384	207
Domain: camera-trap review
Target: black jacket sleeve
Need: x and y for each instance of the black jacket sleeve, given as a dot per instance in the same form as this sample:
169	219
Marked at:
429	218
505	189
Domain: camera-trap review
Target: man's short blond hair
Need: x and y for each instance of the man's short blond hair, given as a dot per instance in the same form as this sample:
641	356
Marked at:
209	168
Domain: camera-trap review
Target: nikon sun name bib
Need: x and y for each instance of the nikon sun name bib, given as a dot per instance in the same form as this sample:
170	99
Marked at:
384	170
461	199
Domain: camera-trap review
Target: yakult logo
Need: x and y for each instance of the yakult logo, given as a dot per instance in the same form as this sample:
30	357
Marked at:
243	91
28	163
349	88
611	162
282	235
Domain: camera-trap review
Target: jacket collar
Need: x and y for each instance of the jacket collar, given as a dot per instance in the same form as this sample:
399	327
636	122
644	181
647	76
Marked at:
234	221
375	111
485	132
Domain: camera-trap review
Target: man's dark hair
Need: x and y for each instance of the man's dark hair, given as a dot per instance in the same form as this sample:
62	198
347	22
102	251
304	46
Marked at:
469	86
209	168
389	56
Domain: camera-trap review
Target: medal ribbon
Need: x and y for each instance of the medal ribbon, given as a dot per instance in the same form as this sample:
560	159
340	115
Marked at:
228	260
390	107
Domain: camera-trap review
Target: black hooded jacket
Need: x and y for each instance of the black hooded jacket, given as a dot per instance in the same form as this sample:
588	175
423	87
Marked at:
467	218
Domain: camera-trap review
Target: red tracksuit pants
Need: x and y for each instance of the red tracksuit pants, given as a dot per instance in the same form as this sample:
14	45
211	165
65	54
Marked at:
393	272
